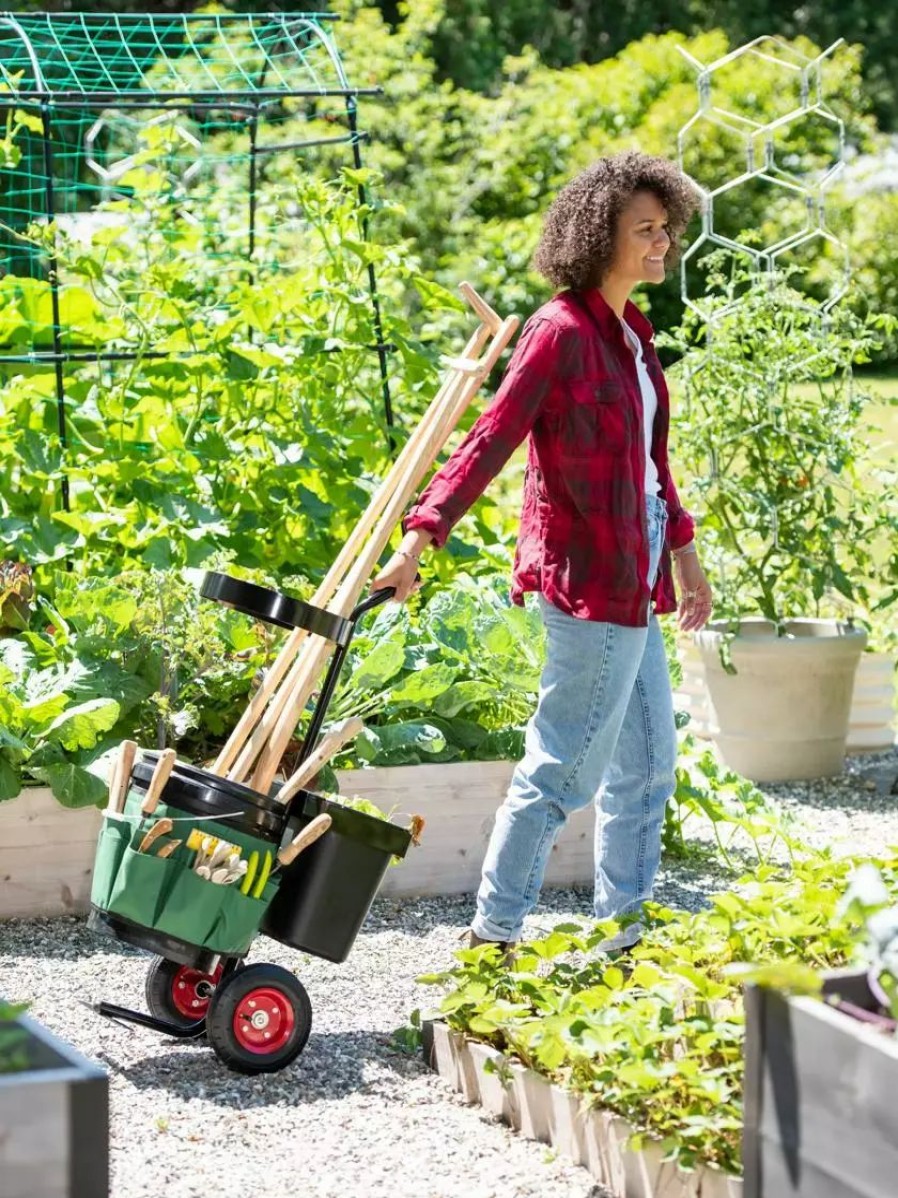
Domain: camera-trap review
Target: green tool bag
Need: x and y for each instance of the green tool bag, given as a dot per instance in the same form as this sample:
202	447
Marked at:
165	894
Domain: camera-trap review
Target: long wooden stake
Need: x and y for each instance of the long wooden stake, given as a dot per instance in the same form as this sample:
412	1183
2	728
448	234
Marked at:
309	661
490	324
296	696
254	742
329	745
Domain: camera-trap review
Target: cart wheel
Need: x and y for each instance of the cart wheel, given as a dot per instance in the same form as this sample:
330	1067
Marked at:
259	1019
178	993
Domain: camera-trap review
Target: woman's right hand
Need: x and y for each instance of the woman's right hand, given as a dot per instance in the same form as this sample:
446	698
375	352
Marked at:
399	572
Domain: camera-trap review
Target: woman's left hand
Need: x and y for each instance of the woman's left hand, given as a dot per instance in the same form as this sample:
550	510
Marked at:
695	594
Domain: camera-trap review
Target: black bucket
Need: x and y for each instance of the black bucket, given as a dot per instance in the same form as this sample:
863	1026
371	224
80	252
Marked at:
204	794
327	892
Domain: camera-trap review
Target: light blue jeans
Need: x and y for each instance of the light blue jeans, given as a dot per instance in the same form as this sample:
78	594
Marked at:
603	731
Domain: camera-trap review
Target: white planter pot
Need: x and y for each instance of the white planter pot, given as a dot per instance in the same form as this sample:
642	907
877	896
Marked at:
871	725
532	1103
46	855
453	1062
567	1125
871	722
495	1094
605	1135
542	1111
784	714
459	802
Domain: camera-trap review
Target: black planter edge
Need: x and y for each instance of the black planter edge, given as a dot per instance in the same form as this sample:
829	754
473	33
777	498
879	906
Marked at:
767	1009
87	1087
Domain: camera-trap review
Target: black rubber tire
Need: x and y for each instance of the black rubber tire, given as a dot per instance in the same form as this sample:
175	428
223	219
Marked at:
231	992
158	990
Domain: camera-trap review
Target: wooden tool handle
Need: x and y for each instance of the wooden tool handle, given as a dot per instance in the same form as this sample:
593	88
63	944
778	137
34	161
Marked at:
491	319
237	758
290	700
122	777
161	775
330	744
310	833
161	828
114	780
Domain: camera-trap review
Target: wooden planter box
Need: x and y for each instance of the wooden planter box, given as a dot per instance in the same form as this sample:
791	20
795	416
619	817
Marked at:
54	1123
821	1118
47	850
545	1112
459	802
46	855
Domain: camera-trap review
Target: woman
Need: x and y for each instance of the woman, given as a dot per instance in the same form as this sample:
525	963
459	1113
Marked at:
600	524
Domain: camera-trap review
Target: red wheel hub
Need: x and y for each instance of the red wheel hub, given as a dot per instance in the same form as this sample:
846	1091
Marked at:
264	1020
192	990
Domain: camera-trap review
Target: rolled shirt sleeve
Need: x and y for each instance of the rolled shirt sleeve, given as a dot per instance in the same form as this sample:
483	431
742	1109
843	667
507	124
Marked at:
495	435
680	524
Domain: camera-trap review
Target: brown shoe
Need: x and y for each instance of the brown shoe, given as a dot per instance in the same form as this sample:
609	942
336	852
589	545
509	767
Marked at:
505	947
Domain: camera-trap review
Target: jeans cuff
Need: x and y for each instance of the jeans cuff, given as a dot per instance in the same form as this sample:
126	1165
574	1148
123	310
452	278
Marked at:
490	931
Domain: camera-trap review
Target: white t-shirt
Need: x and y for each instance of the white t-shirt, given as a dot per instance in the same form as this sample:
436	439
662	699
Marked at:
649	408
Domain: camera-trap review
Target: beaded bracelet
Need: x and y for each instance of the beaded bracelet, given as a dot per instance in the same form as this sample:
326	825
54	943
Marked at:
412	557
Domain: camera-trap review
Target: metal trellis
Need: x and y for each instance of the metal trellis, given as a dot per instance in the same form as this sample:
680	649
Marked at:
81	94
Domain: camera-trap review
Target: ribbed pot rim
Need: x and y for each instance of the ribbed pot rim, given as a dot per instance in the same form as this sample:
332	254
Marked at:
798	632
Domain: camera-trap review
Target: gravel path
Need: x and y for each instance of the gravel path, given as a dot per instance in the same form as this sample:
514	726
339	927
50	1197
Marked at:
354	1117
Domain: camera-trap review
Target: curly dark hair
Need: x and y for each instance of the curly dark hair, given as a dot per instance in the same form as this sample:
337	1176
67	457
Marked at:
577	242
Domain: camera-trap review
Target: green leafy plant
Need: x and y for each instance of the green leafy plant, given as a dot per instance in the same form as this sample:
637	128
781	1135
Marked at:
734	809
14	1055
454	681
660	1042
251	418
140	655
770	433
408	1038
869	898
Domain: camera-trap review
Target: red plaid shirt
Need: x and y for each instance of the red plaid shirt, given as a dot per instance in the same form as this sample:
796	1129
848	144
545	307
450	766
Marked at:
572	386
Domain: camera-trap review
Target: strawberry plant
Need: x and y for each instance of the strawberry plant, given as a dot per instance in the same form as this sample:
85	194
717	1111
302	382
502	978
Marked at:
659	1040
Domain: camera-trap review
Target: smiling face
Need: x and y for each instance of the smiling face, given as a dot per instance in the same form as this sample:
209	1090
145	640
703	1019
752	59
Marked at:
641	242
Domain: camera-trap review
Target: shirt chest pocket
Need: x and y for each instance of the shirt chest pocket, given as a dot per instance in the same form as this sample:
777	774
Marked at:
594	416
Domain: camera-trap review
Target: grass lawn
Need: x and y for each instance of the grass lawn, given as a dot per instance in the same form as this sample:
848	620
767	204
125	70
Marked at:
884	414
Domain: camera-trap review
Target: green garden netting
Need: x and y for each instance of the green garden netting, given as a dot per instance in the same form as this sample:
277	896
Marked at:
189	134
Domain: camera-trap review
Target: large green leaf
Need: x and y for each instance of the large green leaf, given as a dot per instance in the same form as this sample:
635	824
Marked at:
91	678
462	695
39	711
382	663
424	685
10	780
81	727
73	785
400	744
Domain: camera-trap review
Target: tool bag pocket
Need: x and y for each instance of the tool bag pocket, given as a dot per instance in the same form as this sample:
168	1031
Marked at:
191	907
238	920
140	886
111	844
